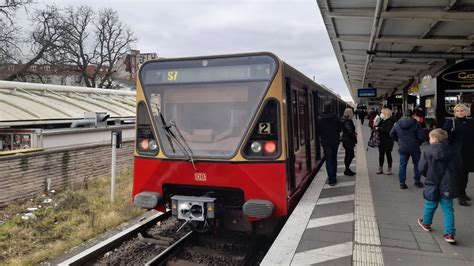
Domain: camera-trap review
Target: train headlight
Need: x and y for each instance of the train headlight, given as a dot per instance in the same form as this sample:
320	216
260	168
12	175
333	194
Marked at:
144	144
269	147
152	145
256	147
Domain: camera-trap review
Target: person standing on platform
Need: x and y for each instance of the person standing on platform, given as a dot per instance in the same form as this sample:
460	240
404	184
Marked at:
461	136
409	135
440	164
384	127
329	130
419	115
361	115
371	116
349	139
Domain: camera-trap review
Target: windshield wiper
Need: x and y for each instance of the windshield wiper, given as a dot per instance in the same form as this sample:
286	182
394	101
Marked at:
172	136
167	129
187	149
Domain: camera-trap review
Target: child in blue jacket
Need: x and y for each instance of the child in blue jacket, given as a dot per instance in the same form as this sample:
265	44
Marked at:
439	163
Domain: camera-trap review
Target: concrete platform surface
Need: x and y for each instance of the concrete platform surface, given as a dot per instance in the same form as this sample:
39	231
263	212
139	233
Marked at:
368	220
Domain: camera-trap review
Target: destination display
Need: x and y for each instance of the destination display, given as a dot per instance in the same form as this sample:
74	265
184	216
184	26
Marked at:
367	92
209	74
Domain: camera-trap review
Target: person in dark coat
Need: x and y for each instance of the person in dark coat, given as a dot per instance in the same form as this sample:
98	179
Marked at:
349	139
409	135
361	115
439	163
384	127
329	131
461	136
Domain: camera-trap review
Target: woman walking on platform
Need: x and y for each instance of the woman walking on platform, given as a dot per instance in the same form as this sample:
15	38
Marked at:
461	136
386	142
349	139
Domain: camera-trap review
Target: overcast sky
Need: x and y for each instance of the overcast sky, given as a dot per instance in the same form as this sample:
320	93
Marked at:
292	29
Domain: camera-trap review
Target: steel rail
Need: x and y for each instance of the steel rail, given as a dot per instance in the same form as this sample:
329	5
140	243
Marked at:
172	250
101	248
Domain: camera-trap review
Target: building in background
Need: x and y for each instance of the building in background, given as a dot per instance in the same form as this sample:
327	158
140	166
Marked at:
124	76
134	60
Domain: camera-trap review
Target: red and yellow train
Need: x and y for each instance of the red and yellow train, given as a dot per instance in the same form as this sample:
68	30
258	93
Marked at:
226	140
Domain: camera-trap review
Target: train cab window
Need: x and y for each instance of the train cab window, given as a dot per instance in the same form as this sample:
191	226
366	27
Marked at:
295	119
205	105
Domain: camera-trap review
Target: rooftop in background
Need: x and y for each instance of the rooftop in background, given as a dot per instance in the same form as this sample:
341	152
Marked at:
393	44
28	104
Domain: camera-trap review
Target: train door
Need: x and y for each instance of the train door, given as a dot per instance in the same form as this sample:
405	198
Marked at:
292	137
303	109
299	164
298	124
319	98
315	151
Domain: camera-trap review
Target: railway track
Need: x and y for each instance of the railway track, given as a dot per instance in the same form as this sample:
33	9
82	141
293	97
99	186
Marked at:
135	234
156	241
228	249
171	251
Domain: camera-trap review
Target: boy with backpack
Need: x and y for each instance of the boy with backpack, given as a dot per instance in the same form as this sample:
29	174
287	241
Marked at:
439	164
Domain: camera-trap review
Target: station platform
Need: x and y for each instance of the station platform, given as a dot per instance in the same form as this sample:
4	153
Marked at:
368	220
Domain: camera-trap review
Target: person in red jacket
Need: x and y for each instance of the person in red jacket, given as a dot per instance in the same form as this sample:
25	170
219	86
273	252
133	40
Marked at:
371	116
419	115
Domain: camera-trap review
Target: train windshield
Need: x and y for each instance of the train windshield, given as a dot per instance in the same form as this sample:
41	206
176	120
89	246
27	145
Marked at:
209	102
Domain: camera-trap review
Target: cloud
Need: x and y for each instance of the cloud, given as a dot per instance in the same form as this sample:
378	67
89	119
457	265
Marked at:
293	30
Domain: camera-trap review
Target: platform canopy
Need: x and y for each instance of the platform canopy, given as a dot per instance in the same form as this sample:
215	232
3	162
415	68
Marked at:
23	104
393	44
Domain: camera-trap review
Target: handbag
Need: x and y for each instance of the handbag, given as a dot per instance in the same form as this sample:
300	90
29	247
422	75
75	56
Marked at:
374	140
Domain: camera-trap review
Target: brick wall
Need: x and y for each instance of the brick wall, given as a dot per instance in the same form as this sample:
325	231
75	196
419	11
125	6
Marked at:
25	175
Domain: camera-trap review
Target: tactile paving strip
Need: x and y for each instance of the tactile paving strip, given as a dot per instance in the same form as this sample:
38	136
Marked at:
367	242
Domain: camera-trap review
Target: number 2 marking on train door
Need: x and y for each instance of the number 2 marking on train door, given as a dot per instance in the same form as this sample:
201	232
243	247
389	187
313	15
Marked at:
264	128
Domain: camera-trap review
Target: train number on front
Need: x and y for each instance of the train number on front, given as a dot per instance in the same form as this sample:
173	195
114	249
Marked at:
172	75
264	128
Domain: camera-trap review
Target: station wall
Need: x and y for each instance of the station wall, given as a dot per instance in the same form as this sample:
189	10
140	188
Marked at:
25	175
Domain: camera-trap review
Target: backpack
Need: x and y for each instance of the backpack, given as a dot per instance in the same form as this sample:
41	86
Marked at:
374	140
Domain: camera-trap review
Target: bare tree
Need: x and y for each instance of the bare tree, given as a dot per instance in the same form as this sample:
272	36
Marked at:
84	43
113	41
74	43
8	28
96	54
44	39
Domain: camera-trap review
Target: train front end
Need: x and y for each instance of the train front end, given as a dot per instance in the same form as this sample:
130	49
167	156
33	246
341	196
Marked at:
209	140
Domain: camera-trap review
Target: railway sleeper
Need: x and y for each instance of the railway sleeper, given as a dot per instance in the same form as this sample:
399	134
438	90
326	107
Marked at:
160	241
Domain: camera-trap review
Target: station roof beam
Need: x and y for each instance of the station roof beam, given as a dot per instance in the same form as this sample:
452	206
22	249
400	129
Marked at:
391	43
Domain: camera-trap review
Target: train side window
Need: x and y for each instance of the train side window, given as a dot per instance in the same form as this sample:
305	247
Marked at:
311	117
302	118
295	119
